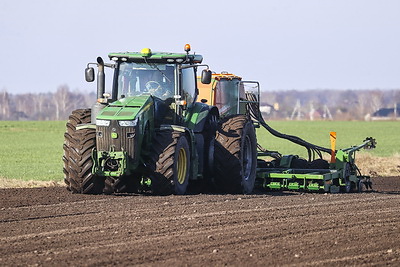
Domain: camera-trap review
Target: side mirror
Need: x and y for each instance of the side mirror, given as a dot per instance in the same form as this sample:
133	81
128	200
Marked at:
89	74
206	76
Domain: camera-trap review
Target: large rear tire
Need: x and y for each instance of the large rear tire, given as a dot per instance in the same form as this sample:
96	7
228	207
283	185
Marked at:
169	164
235	155
78	116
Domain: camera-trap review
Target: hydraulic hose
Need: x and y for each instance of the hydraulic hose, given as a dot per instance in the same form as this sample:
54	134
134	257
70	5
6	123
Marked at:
255	114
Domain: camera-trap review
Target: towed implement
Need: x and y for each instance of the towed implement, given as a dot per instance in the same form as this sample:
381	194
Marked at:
162	129
289	172
293	173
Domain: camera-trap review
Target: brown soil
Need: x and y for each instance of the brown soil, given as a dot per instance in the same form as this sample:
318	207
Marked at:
51	226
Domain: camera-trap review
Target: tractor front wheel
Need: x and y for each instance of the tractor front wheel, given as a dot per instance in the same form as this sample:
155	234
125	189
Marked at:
169	164
78	116
80	163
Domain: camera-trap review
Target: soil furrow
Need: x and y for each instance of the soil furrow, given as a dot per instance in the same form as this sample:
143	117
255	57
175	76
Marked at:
51	226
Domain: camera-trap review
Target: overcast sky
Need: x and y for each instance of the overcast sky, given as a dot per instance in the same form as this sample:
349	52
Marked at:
284	44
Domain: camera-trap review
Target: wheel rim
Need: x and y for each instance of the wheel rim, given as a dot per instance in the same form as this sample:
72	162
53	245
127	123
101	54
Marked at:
247	157
182	164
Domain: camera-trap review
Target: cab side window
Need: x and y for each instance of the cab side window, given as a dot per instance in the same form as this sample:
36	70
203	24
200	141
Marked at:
188	85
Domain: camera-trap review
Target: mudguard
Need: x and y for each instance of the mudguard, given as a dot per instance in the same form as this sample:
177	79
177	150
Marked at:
200	112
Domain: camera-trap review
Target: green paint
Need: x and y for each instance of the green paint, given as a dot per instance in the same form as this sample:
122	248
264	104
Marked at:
274	185
145	182
196	115
125	108
294	186
314	187
162	57
100	158
328	180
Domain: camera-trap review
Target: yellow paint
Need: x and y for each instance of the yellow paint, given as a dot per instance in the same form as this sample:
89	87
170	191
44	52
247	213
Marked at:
333	146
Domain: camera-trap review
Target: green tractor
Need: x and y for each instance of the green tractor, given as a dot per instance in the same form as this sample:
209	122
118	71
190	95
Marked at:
152	133
164	130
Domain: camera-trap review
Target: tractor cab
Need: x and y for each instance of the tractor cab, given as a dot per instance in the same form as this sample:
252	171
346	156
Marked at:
135	79
168	78
160	74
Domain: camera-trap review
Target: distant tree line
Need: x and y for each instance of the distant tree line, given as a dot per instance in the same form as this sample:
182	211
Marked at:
288	104
329	104
43	106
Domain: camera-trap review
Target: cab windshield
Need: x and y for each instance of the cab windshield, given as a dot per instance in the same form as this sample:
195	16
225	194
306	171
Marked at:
136	79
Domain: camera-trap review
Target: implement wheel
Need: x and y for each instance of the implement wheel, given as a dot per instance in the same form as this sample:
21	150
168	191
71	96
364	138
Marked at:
235	155
169	163
347	187
360	186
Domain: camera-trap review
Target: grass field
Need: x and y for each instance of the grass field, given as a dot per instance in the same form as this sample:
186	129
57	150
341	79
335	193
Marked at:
32	150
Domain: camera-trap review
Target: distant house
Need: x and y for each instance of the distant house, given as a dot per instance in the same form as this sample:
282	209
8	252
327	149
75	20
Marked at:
266	108
387	113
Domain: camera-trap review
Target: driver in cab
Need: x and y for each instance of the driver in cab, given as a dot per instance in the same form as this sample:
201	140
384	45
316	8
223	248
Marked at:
157	84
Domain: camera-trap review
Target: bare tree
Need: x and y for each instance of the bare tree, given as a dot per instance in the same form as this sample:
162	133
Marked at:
62	99
5	105
343	105
376	100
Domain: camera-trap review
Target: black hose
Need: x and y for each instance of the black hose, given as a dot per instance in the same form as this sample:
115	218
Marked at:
255	114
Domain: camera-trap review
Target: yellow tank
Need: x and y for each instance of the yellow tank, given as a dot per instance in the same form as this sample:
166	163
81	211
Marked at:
222	92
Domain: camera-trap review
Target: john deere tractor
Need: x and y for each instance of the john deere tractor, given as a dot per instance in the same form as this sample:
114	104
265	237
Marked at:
151	132
162	129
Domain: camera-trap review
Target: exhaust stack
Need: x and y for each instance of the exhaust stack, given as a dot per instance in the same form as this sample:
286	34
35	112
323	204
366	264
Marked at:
101	86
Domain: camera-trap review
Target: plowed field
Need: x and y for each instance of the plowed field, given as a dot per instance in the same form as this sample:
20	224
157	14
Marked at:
51	226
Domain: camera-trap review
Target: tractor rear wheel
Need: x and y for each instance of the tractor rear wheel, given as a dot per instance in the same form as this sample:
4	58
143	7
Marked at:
80	163
235	155
78	116
169	164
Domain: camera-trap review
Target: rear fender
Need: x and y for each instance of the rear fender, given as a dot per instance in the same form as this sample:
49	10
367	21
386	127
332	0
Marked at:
199	116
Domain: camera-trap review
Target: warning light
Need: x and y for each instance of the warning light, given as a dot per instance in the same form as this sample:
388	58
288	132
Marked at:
187	48
146	52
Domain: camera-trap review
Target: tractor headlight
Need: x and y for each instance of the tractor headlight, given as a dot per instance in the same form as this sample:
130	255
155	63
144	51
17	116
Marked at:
128	123
102	123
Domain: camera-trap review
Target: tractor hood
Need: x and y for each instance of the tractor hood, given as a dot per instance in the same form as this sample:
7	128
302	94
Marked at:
126	108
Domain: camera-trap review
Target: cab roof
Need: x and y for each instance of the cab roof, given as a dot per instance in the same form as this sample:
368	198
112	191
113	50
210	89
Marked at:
157	57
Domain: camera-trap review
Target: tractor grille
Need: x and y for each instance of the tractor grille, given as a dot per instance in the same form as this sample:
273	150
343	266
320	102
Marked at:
124	141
